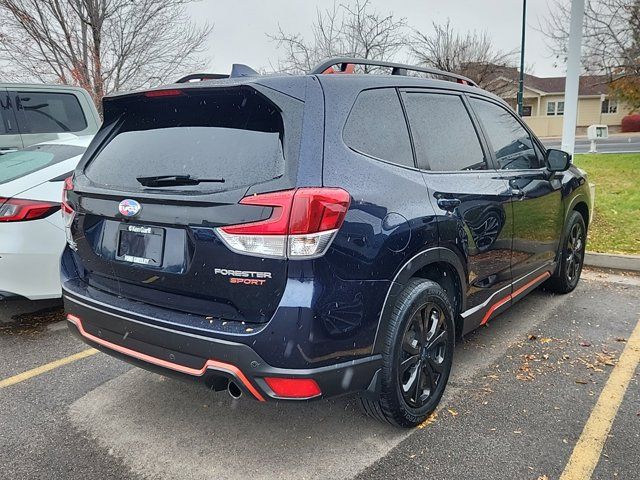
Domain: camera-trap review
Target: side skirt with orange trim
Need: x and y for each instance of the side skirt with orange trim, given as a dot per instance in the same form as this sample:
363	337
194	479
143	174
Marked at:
539	279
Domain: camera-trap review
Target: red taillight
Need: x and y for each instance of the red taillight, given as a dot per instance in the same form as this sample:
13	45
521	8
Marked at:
293	387
163	93
19	210
68	213
318	210
302	224
67	186
276	224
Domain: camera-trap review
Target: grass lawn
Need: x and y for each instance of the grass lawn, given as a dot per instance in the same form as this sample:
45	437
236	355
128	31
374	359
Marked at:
616	221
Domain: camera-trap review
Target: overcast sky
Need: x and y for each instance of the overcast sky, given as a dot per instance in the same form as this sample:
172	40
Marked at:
240	26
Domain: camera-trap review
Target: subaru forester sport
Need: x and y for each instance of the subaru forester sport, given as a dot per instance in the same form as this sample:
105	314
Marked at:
303	237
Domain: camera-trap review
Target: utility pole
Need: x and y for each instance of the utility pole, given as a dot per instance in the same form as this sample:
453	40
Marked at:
573	77
521	80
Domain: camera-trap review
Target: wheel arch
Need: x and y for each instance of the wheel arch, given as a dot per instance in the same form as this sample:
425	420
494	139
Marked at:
579	203
438	264
581	207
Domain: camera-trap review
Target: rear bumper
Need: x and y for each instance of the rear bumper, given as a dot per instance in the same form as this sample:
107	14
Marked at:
30	258
210	361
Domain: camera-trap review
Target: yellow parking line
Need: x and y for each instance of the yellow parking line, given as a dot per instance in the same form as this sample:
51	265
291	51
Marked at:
34	372
587	451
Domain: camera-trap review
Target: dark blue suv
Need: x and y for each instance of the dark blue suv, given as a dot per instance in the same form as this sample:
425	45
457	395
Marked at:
299	237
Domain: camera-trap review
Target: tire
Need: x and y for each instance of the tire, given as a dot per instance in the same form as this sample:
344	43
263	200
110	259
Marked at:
417	356
567	275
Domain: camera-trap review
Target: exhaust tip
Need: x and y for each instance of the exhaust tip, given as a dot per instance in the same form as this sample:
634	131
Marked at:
234	390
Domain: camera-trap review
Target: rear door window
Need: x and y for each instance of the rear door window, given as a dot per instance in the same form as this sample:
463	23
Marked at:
376	127
443	133
235	134
15	165
512	145
49	112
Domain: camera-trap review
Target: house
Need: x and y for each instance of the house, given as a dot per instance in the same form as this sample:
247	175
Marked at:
543	104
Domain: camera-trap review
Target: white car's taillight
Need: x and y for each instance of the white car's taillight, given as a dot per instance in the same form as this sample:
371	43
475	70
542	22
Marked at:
68	214
302	225
21	210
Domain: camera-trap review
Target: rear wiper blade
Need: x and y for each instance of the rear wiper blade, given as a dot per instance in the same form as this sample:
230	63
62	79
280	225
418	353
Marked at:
175	180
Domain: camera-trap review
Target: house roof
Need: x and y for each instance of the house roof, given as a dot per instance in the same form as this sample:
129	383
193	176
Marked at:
589	84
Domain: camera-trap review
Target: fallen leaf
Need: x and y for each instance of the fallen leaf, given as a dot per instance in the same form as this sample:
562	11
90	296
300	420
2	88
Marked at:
606	359
532	337
430	419
584	343
452	412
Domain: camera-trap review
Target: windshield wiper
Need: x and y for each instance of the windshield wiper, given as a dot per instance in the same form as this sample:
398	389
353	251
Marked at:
175	180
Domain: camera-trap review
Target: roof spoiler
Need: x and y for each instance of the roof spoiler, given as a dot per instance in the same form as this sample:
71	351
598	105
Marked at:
346	65
237	70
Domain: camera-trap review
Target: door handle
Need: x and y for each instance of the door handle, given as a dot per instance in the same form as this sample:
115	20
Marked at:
448	203
8	150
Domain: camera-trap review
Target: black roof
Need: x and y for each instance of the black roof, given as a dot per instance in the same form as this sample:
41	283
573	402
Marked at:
295	85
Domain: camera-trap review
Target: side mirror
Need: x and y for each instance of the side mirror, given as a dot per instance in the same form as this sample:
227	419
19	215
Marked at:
557	160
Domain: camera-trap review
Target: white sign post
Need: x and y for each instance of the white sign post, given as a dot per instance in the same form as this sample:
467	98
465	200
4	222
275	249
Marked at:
573	77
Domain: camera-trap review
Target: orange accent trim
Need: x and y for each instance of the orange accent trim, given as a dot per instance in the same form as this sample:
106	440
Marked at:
349	69
213	364
513	295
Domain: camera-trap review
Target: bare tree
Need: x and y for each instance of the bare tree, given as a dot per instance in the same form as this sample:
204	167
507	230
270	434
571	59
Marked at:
101	45
351	29
472	54
611	41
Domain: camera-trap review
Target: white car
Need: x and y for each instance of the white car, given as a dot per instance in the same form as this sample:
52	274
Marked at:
32	234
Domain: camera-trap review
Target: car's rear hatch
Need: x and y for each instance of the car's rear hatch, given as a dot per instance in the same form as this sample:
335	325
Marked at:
167	253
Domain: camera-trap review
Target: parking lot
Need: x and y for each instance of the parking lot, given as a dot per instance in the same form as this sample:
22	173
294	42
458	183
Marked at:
522	391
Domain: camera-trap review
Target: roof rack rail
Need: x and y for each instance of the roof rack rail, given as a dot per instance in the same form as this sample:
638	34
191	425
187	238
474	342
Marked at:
326	66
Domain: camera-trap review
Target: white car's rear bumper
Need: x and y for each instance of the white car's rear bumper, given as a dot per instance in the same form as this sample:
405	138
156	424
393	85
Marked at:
30	257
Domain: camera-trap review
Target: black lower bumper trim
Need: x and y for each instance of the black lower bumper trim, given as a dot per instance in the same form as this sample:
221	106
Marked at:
204	359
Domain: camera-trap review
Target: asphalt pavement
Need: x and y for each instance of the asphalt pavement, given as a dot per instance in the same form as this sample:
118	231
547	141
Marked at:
618	143
522	391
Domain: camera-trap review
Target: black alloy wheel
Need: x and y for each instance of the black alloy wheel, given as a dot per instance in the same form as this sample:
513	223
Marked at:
424	347
417	353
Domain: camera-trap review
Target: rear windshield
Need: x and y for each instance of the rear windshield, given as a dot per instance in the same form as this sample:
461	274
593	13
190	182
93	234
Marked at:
49	113
36	157
234	134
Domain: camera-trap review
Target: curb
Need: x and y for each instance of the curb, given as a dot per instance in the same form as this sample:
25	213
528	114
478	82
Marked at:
613	260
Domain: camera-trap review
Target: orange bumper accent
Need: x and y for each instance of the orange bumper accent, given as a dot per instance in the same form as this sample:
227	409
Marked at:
209	364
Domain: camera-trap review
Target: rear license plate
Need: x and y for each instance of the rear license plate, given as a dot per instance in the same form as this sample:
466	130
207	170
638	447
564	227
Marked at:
140	244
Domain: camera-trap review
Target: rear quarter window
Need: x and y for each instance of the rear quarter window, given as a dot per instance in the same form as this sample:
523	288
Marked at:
49	112
234	134
376	127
